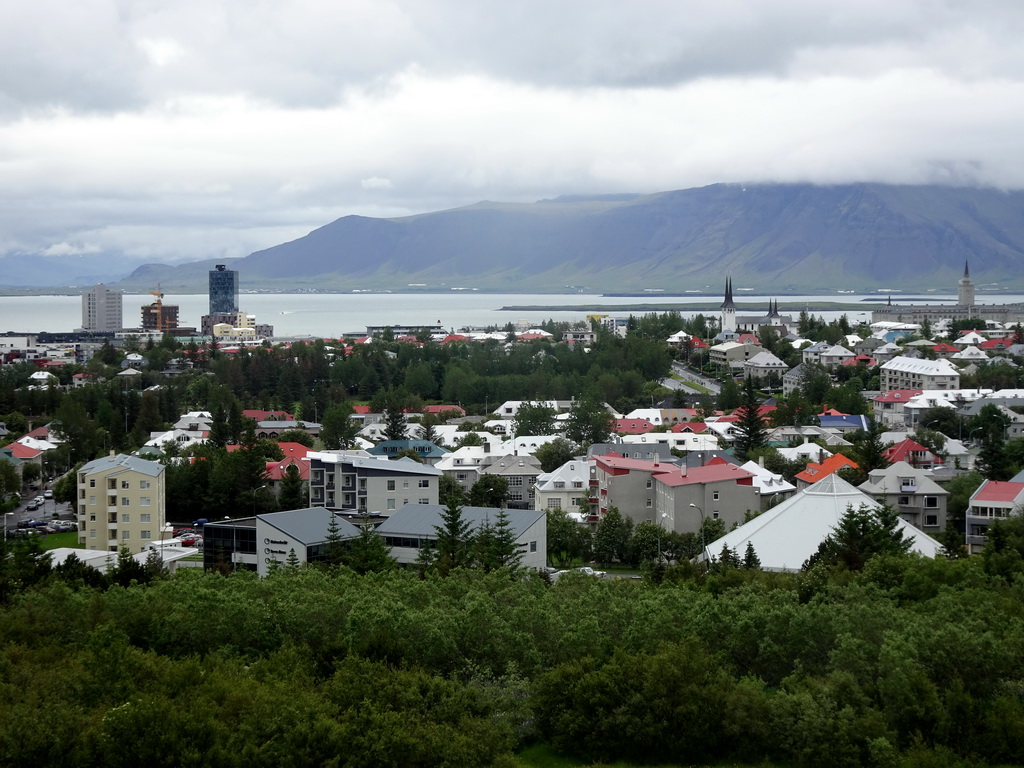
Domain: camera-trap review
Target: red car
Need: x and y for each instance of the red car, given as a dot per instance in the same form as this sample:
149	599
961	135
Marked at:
191	540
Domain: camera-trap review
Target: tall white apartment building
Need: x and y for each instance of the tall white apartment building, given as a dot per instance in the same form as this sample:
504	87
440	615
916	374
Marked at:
101	309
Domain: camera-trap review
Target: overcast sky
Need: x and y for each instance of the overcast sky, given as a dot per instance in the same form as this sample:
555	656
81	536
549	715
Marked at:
170	130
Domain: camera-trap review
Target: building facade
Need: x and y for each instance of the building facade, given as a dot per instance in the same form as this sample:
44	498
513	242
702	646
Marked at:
223	290
368	484
102	309
120	503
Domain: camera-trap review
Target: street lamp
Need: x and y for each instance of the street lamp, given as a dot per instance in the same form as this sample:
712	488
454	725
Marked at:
703	545
664	516
254	492
5	525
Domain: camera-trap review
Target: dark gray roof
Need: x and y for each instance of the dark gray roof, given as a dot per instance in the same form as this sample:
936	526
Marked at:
309	526
421	519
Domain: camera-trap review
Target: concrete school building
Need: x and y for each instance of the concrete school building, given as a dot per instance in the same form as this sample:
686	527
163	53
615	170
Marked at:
966	308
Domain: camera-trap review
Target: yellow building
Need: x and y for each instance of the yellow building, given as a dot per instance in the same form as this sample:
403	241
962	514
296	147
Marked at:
120	503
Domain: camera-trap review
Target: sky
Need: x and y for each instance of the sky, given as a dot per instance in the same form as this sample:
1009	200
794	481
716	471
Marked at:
177	130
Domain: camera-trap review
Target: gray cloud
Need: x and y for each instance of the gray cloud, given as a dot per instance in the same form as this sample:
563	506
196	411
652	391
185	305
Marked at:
208	128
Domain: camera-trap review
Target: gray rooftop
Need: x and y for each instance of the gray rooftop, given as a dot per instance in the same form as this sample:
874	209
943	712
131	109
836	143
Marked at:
416	520
310	525
133	463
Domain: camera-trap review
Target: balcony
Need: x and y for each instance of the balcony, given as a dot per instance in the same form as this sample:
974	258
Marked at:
908	487
112	545
111	526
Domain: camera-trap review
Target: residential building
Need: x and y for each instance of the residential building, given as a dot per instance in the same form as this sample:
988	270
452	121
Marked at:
732	354
120	503
102	309
521	473
414	527
627	484
888	406
765	365
427	452
912	493
914	373
819	470
769	486
567	487
834	356
346	481
684	497
994	500
913	453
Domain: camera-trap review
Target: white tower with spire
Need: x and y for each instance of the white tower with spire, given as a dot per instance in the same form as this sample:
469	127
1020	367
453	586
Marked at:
965	291
728	308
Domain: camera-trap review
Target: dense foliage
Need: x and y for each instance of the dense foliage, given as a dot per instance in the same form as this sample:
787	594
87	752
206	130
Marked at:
909	657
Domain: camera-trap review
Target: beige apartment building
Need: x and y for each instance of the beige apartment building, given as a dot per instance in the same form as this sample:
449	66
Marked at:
120	503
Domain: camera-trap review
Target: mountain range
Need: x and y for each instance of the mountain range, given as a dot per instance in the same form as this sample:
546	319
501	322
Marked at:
797	238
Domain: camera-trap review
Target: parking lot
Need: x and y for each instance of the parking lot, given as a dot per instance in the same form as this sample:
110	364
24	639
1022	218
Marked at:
37	513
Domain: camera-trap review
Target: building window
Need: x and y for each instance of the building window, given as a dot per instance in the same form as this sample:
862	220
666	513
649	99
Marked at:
144	518
460	476
576	502
904	501
126	518
125	484
515	480
931	521
650	503
144	485
125	535
554	503
424	483
714	496
577	483
424	501
405	483
145	535
92	500
931	502
533	546
144	501
92	482
714	515
391	485
92	533
125	501
650	483
391	503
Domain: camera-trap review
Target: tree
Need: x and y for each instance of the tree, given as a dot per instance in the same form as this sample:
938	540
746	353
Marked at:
554	454
338	430
293	493
729	396
453	540
750	559
589	422
489	491
993	461
861	534
751	432
367	553
868	448
611	539
568	541
496	545
300	436
394	420
533	419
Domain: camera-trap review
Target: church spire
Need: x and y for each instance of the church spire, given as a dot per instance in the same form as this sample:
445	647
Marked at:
967	271
728	304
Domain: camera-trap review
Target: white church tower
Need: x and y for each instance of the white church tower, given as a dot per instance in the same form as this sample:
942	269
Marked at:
965	291
728	308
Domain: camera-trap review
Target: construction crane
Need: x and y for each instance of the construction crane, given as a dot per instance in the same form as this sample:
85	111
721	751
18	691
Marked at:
160	321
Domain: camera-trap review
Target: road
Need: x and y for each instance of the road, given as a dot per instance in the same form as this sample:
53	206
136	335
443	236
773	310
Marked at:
712	385
45	512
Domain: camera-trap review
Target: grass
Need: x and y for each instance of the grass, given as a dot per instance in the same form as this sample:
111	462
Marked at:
55	540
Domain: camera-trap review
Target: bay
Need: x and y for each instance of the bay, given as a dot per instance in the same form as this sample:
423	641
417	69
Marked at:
331	315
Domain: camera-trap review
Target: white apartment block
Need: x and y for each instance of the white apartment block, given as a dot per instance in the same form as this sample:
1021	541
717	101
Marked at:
102	309
917	373
120	503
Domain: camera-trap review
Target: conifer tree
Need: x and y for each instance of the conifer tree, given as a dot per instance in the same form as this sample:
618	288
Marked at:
750	559
453	539
751	432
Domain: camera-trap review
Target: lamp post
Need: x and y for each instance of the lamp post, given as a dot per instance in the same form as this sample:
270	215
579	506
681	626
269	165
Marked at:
5	525
254	492
664	516
703	545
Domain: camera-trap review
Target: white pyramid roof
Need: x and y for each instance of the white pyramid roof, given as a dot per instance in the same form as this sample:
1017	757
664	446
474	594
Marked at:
787	534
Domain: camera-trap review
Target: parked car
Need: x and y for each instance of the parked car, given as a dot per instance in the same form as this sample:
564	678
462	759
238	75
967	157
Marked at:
48	494
191	540
30	523
591	572
32	506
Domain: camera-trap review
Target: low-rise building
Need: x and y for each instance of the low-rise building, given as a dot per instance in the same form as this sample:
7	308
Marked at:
917	373
346	481
912	493
994	500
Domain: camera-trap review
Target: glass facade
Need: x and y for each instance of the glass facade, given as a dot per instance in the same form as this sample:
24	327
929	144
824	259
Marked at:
223	290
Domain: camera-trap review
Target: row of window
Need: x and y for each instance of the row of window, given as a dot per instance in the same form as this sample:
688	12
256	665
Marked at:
112	484
144	501
125	535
